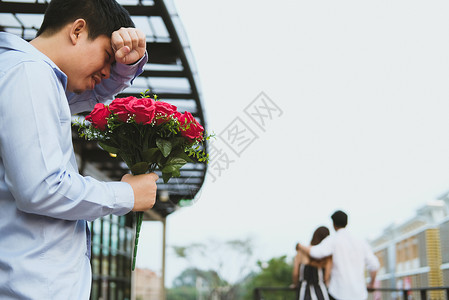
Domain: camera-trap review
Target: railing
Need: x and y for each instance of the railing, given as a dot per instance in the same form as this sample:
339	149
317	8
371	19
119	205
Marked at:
287	293
281	293
422	291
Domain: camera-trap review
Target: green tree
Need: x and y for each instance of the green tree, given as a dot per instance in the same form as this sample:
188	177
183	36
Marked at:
228	264
194	283
277	272
182	293
191	276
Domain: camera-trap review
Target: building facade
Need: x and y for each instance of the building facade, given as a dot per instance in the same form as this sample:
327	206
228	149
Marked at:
147	285
415	253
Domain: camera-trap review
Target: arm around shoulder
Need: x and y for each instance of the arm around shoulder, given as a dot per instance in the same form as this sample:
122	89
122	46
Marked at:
323	249
327	270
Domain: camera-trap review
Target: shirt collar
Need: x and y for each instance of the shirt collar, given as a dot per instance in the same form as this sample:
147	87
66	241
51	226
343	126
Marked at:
15	43
341	230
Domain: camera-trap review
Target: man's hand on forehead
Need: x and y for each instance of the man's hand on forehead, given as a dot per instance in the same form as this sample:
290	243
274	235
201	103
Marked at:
129	45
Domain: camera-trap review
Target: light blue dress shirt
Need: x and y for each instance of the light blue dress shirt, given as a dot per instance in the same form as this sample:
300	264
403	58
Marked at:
44	201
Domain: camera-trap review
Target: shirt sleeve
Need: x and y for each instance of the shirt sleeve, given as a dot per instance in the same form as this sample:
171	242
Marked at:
37	153
323	249
371	260
122	76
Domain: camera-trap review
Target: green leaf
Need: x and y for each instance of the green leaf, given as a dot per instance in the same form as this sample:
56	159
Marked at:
165	146
108	148
173	165
176	161
176	141
166	177
150	155
170	168
184	156
139	168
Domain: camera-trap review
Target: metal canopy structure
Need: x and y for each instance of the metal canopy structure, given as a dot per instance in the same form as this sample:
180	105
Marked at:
170	74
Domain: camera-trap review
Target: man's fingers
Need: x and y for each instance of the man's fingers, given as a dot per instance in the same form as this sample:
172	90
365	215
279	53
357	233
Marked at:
126	176
133	40
142	39
144	188
129	45
121	53
131	37
155	176
150	176
126	37
116	41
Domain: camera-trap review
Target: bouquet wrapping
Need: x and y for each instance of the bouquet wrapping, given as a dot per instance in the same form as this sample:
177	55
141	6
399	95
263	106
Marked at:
148	135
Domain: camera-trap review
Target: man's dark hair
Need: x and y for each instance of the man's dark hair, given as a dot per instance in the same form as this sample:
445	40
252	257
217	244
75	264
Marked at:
340	219
102	17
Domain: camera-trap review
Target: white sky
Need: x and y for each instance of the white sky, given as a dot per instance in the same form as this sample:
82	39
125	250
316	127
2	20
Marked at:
363	87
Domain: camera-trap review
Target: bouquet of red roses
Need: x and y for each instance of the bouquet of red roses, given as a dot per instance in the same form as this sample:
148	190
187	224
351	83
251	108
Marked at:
148	135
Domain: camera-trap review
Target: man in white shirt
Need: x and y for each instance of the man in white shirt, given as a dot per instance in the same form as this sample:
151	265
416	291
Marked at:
350	256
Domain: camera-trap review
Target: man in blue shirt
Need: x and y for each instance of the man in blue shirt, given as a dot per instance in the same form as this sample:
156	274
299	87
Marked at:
86	52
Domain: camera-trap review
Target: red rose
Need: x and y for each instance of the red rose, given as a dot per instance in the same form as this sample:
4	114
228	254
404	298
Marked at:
190	127
143	110
177	115
98	116
118	107
163	111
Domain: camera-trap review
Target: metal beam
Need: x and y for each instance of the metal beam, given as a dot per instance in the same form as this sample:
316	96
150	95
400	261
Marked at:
39	8
159	73
142	10
163	95
22	8
162	53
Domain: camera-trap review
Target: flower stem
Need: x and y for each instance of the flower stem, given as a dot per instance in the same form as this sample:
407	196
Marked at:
139	219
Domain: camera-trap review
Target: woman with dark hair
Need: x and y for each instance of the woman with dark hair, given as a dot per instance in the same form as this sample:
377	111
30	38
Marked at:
312	275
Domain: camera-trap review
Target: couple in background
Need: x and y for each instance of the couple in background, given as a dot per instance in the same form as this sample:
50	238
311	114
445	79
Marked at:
335	261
